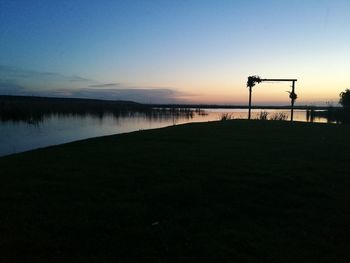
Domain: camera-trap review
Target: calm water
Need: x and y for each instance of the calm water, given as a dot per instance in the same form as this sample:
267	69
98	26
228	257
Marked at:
20	136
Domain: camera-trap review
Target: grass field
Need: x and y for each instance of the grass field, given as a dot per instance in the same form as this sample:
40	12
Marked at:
229	191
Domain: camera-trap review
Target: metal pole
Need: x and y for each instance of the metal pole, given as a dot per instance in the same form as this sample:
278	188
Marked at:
292	101
250	102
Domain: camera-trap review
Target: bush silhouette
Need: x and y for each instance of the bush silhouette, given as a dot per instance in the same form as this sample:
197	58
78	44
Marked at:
345	98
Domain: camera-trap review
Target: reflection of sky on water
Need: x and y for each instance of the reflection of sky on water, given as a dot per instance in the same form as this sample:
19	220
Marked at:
215	114
20	136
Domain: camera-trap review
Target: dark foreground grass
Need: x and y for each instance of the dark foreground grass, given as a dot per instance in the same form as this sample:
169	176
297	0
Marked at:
233	191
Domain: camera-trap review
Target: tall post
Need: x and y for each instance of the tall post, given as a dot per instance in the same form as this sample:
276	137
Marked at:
292	101
250	102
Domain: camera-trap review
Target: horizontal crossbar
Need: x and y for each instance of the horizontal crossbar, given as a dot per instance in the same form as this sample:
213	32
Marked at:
278	79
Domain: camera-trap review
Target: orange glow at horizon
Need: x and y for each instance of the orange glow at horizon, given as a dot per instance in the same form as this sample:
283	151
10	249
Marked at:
308	93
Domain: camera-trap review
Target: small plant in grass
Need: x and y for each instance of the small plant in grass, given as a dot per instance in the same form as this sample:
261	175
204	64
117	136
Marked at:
263	115
226	116
279	116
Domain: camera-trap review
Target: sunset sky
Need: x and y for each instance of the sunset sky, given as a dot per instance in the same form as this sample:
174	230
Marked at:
175	51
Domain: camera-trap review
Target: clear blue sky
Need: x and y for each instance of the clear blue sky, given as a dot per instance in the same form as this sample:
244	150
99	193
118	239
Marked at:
198	51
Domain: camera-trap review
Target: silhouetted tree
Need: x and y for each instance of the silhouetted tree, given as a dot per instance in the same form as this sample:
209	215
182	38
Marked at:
345	98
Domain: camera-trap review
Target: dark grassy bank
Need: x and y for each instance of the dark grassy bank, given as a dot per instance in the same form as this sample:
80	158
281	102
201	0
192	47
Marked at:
231	191
34	109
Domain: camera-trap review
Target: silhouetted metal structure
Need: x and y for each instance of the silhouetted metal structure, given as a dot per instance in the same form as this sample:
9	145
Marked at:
252	80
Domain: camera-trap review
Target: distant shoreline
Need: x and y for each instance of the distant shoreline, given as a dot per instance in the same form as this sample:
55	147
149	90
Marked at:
218	106
160	105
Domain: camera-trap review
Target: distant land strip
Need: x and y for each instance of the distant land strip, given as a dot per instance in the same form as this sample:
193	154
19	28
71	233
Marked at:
6	98
218	106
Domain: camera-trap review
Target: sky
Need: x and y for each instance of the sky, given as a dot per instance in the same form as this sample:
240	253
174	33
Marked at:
178	51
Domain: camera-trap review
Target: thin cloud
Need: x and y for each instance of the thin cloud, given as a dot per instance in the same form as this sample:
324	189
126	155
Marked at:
105	85
141	95
8	88
14	81
20	75
75	78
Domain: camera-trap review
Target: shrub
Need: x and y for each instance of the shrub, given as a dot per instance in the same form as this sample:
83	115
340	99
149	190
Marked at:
226	116
279	116
345	98
263	115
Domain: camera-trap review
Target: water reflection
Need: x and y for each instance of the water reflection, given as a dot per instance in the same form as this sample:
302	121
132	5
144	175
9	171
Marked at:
39	117
51	129
332	115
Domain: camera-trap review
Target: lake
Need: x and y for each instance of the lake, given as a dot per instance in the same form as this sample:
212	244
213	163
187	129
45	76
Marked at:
19	136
